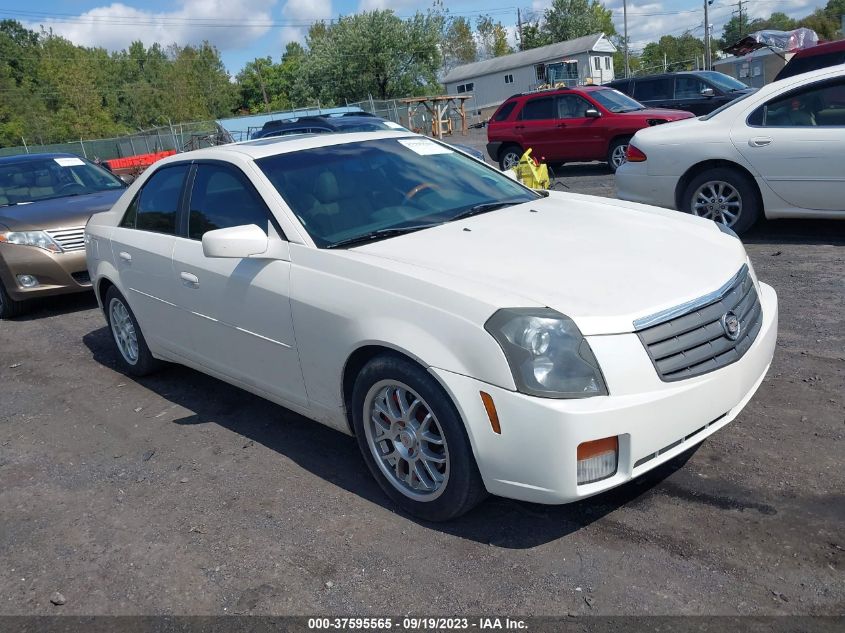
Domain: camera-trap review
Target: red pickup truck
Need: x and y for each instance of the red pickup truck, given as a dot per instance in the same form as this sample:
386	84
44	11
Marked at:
570	124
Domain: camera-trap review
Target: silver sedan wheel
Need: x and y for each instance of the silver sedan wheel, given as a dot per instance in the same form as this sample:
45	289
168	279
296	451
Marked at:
510	160
124	331
717	200
406	440
618	157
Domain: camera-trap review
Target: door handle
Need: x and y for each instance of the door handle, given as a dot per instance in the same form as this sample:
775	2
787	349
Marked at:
125	256
561	125
190	279
759	141
519	127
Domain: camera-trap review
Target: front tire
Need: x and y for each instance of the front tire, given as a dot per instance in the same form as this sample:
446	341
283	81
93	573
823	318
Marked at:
414	441
9	308
509	156
133	354
723	195
616	153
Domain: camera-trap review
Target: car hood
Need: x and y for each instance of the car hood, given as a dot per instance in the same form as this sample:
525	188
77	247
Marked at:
602	263
658	113
57	213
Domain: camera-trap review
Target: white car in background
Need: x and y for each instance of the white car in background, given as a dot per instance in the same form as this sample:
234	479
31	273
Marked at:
474	335
778	152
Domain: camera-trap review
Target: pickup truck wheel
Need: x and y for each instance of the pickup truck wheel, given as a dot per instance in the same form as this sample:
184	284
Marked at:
616	153
509	156
132	352
10	308
723	195
414	441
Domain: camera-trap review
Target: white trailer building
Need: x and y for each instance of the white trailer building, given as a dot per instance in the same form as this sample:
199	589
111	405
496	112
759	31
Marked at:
584	60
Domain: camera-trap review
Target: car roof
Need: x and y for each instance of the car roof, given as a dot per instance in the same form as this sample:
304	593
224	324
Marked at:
26	158
821	49
663	75
274	145
557	91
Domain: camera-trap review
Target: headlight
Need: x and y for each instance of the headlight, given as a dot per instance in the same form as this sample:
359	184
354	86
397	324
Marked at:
547	354
39	239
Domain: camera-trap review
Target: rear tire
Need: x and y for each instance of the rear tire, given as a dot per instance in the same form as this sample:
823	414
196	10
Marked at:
616	153
509	156
133	354
413	440
9	308
723	195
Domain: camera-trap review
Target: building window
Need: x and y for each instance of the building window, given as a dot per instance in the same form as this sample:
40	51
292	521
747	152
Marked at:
597	63
508	79
607	63
465	87
540	69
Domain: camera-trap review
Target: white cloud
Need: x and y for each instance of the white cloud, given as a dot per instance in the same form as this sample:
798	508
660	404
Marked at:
396	5
303	11
117	25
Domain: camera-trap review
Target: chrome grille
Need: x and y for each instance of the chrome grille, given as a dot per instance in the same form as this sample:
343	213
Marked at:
69	239
694	341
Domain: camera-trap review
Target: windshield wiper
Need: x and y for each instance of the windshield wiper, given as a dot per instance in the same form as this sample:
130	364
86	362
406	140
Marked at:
484	207
379	235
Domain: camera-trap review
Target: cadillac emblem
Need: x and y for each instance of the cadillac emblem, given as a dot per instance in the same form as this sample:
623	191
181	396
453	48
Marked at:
731	325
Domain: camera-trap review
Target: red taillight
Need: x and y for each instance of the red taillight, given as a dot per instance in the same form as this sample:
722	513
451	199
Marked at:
634	154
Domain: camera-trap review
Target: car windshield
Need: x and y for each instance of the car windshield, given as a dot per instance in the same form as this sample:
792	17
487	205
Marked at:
32	180
723	81
382	187
615	101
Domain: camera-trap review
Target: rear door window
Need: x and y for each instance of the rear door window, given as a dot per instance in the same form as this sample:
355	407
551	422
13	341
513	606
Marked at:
538	109
155	208
653	89
689	87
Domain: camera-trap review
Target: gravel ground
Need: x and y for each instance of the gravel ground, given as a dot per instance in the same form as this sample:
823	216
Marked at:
178	494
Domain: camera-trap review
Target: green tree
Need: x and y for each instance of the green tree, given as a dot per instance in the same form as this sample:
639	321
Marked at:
568	19
679	53
458	43
492	37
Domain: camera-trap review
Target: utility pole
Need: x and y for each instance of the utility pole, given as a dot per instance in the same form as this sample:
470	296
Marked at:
739	4
706	34
519	25
627	58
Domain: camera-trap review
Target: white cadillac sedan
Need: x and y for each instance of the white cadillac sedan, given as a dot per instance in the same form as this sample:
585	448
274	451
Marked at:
777	152
475	336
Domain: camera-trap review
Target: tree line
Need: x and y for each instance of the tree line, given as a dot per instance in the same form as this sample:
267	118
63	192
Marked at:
52	90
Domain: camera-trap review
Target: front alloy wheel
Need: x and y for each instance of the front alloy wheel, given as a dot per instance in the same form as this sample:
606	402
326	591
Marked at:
510	158
406	440
413	439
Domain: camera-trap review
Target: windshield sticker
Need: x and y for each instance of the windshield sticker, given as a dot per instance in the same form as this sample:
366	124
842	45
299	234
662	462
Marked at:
393	126
69	162
424	147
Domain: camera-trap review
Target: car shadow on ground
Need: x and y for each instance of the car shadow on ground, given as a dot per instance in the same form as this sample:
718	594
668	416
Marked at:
46	307
568	170
334	457
796	231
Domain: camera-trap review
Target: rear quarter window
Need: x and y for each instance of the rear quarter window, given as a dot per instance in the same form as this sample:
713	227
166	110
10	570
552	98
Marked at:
505	111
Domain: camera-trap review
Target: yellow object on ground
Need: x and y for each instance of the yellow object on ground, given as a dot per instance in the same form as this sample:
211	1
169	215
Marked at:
531	173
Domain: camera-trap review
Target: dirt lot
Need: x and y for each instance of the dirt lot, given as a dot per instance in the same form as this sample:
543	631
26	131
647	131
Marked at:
179	494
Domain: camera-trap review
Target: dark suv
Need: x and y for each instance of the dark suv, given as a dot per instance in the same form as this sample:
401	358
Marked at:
699	91
570	125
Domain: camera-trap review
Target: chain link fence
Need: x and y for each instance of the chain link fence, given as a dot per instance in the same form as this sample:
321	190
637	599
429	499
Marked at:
180	137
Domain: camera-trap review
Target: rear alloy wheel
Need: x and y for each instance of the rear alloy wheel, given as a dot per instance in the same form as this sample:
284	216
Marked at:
414	441
724	196
616	153
10	308
134	355
509	157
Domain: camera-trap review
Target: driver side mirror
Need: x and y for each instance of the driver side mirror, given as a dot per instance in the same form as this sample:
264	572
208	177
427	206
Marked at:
708	92
592	113
235	242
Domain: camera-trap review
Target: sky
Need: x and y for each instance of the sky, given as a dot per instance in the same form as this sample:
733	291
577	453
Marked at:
245	29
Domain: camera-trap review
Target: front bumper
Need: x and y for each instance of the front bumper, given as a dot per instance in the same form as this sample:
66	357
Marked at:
634	183
493	150
57	273
534	458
